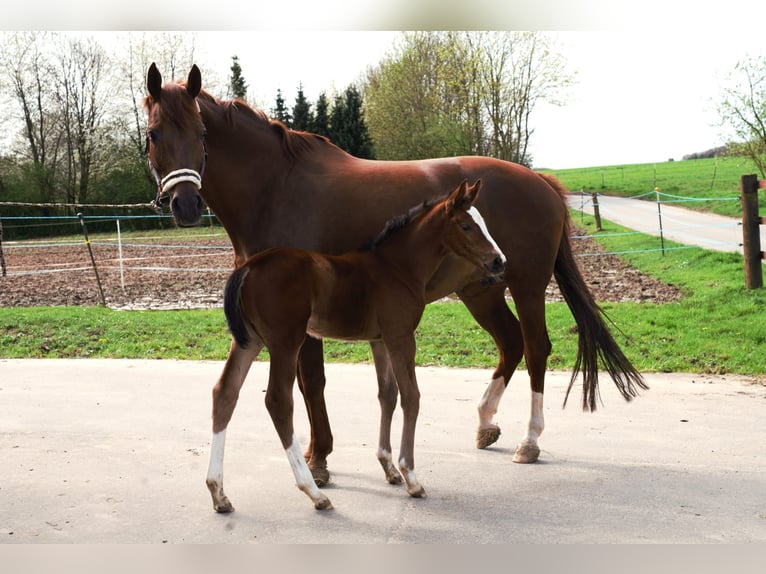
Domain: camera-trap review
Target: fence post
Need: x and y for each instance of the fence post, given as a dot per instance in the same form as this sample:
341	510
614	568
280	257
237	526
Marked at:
751	232
2	257
659	217
92	259
596	212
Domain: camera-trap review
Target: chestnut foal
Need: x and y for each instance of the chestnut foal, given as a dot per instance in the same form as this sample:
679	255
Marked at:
279	296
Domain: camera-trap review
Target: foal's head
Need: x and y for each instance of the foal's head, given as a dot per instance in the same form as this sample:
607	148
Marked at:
175	144
466	233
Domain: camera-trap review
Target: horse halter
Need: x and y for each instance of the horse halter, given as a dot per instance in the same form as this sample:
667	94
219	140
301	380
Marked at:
165	184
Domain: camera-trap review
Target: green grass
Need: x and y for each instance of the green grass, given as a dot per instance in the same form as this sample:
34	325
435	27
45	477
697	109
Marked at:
701	179
717	327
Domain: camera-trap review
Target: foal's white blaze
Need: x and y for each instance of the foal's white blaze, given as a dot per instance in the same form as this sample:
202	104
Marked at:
489	402
474	213
215	469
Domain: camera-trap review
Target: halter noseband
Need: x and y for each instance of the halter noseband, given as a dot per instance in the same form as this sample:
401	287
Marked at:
165	184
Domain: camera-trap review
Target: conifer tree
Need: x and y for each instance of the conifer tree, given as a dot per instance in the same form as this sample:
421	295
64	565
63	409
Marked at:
348	129
280	112
321	121
237	84
302	114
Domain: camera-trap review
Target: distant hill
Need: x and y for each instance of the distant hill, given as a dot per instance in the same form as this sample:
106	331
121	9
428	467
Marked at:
720	151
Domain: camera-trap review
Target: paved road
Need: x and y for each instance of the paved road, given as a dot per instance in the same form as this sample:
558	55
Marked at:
98	451
679	224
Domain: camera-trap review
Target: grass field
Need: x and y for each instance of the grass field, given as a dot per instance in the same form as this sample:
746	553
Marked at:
707	181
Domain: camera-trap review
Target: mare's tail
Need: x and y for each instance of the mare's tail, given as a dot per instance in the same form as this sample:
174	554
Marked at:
595	341
232	308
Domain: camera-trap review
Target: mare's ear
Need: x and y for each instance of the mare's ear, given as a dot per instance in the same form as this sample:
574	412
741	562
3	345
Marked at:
154	82
456	198
194	81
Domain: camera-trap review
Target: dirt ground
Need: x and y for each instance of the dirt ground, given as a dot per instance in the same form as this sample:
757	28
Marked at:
189	273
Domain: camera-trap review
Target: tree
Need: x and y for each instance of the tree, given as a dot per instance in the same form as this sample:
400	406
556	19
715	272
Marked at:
455	93
743	111
237	84
321	121
303	118
348	129
280	111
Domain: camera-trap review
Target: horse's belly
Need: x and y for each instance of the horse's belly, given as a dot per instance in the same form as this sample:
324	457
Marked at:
341	326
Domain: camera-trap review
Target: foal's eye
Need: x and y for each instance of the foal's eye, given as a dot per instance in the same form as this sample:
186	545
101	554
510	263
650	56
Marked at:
152	135
466	227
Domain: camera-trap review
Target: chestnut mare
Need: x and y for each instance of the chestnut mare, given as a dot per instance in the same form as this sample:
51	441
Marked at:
274	187
280	295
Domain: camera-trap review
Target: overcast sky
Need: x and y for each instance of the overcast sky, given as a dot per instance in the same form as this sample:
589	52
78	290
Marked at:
648	73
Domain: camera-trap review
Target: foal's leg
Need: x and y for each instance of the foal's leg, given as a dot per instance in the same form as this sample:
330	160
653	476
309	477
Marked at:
311	381
387	395
279	403
401	351
225	395
489	308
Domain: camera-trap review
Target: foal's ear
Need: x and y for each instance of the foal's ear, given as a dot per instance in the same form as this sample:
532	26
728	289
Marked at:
472	192
456	198
154	82
194	82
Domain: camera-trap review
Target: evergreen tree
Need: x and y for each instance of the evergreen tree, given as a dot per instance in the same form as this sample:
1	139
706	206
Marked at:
280	112
348	129
303	118
321	121
237	85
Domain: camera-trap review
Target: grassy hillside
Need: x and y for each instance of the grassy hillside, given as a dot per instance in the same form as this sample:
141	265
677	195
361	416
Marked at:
699	179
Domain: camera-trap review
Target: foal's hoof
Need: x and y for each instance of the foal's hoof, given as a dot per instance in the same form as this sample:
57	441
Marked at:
487	436
321	476
223	507
323	504
526	453
418	492
392	475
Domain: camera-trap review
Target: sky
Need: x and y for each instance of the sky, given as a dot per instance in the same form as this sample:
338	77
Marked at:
648	74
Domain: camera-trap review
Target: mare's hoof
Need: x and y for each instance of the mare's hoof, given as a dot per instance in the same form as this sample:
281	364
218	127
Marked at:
488	436
321	476
323	504
526	453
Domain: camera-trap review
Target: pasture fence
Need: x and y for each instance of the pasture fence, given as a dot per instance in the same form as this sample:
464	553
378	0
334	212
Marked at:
751	233
24	226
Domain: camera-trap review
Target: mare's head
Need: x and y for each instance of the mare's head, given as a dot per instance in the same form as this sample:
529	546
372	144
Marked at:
175	144
466	233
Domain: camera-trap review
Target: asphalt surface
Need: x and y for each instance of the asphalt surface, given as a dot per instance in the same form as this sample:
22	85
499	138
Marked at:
116	451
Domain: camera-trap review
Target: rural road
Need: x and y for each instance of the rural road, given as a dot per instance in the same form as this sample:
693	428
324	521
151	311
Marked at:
116	451
682	225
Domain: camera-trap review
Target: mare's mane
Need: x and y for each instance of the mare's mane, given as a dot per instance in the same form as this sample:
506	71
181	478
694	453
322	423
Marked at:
294	143
397	223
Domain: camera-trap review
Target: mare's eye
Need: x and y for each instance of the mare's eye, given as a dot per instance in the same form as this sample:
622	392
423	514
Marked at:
466	227
152	135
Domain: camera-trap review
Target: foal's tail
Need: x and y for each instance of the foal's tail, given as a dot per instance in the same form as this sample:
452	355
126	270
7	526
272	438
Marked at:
232	308
595	341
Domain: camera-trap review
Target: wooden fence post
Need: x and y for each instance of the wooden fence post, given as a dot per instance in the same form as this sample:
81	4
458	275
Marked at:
2	257
751	233
596	211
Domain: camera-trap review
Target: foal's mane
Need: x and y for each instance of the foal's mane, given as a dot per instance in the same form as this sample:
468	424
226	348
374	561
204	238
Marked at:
397	223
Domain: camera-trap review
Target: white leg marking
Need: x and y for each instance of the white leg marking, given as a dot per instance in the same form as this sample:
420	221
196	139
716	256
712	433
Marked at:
215	469
489	402
536	420
474	213
414	488
303	478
